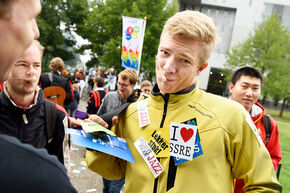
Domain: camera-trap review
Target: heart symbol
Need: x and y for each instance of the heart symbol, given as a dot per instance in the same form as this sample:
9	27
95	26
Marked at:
186	134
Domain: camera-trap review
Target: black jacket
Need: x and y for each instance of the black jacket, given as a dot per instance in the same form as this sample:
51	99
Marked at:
58	80
28	125
29	170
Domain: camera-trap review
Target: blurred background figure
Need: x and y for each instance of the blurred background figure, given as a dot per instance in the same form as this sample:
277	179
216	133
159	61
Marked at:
146	86
72	107
56	87
96	96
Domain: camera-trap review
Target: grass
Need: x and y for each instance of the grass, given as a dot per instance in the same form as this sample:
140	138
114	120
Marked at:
284	136
275	115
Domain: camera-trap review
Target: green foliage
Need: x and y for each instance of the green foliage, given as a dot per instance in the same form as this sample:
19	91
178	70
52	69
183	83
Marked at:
59	42
267	50
103	28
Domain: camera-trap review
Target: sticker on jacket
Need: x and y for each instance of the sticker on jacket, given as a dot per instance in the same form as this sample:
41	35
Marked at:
197	146
148	156
182	139
143	113
254	128
158	141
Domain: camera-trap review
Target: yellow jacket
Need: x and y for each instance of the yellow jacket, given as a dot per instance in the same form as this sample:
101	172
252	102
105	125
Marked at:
228	143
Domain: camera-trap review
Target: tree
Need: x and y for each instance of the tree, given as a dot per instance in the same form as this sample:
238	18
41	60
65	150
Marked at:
103	28
266	49
55	25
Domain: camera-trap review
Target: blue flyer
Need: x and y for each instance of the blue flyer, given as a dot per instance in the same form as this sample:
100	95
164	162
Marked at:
114	146
197	146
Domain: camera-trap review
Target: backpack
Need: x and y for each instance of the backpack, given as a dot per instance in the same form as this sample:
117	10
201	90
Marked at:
56	94
50	118
95	101
268	127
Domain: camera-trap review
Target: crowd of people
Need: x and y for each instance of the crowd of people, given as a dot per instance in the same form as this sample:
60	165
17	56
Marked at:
234	144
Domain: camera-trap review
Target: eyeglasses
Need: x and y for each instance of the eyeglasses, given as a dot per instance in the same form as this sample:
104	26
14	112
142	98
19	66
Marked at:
122	85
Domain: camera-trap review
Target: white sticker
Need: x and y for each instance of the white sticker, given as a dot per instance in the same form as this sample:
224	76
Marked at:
143	113
148	156
253	127
182	139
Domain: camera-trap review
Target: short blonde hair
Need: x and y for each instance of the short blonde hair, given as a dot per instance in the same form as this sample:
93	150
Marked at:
39	46
193	25
129	73
56	65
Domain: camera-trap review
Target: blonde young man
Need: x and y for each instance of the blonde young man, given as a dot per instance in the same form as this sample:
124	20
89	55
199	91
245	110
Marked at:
228	139
24	168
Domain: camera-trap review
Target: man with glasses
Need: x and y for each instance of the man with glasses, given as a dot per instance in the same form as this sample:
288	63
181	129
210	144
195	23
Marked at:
127	80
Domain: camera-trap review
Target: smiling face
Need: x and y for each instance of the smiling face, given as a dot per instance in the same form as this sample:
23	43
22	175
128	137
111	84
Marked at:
246	91
17	30
25	73
179	59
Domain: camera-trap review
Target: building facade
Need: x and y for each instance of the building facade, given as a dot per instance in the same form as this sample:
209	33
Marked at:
234	20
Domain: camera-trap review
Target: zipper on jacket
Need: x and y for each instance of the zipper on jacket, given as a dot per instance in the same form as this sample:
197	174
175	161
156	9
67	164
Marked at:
165	97
24	118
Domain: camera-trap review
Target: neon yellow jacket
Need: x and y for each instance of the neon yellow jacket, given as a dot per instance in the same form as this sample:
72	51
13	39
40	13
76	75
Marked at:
228	143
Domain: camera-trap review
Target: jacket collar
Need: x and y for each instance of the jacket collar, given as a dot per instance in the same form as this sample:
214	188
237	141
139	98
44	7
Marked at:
156	91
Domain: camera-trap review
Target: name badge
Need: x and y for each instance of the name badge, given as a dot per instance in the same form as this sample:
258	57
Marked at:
143	113
148	156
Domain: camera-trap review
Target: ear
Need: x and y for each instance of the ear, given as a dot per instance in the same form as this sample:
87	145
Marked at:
201	68
231	86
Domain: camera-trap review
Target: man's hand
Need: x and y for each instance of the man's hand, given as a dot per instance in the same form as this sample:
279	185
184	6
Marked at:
74	123
96	118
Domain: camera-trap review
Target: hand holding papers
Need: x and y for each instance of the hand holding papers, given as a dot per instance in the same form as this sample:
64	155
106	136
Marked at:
93	127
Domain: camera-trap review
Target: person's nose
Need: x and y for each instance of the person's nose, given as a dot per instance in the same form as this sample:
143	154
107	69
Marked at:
30	71
169	65
249	92
35	30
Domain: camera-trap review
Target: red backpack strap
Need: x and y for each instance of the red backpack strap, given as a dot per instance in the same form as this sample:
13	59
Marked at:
98	100
95	97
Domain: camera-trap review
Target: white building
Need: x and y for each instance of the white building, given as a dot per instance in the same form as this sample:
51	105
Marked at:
234	20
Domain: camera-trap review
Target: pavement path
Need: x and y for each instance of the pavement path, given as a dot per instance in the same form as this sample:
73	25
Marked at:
82	178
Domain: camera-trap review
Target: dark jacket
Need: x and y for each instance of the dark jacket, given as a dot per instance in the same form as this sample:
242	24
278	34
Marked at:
29	170
74	105
58	80
28	125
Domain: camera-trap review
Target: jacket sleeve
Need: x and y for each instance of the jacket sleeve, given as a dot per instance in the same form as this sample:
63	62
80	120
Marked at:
273	145
250	159
110	167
